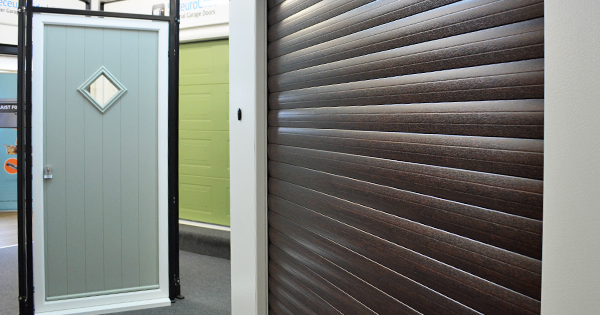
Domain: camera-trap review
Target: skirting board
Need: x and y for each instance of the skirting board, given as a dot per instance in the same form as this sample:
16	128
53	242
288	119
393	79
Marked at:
113	308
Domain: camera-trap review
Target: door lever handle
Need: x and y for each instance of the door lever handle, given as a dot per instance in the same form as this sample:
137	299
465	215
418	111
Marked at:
47	172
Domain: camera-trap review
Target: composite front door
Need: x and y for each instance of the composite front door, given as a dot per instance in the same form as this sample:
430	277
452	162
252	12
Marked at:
100	163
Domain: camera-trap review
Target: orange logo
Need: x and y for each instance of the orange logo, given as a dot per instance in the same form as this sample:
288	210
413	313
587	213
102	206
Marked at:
10	166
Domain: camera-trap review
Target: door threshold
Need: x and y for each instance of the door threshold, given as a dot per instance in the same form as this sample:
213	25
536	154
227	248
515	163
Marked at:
114	308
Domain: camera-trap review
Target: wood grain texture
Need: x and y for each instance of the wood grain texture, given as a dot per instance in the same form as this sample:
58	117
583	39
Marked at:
312	15
460	286
515	80
459	18
482	260
370	15
301	291
505	118
505	156
513	42
508	194
288	8
405	147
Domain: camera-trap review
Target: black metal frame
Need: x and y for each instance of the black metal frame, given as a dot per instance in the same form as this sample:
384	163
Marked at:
24	156
88	4
103	2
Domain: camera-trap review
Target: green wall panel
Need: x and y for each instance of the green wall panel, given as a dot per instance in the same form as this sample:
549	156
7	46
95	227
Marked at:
204	132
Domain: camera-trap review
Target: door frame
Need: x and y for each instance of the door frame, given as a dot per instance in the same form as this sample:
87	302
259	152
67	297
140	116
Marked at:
150	298
248	156
169	77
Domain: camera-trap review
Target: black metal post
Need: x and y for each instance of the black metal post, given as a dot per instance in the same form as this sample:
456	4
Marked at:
175	283
25	254
88	4
103	2
100	13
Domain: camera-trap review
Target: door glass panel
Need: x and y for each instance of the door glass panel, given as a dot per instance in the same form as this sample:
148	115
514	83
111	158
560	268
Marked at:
102	90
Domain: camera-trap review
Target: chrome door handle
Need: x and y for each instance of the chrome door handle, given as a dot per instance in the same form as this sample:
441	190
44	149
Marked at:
47	172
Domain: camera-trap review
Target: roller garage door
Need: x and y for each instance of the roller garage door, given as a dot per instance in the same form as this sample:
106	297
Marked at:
405	156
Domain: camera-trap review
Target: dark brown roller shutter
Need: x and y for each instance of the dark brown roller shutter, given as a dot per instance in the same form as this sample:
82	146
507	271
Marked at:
405	156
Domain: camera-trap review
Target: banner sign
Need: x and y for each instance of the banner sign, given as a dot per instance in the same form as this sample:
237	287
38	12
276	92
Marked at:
7	108
193	13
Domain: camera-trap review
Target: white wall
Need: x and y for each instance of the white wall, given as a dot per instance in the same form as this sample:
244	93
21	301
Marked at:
571	248
8	63
248	139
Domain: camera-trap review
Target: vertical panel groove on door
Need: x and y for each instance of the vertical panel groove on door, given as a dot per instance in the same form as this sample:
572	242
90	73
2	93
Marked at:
405	146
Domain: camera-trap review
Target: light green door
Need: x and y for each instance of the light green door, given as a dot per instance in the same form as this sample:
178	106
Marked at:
204	132
101	161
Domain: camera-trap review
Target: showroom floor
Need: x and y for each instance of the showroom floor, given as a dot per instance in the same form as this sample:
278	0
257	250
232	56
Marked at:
205	280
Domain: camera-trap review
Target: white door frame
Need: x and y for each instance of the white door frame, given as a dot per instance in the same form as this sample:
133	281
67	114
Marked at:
118	301
248	156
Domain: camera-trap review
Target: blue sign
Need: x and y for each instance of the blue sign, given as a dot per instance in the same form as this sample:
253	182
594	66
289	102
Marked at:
8	172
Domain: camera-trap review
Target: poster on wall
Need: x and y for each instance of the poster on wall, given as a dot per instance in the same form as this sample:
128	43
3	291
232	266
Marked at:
8	172
193	13
203	12
8	113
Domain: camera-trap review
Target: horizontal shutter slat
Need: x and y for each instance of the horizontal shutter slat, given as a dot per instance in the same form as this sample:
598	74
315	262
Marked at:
286	250
498	192
370	15
506	231
321	284
423	149
302	292
369	295
312	15
506	118
468	290
464	17
292	303
515	80
287	9
276	307
485	261
513	42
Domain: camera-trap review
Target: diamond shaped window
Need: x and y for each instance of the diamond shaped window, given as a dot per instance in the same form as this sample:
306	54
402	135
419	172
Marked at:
102	89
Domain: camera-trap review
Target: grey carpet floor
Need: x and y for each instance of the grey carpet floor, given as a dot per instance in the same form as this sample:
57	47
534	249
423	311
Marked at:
205	283
9	281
